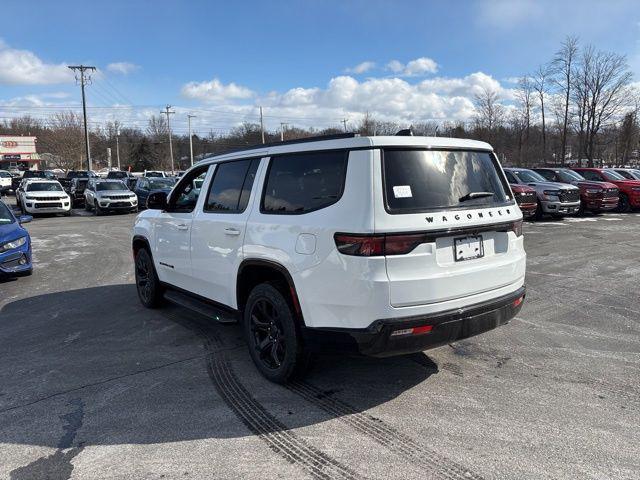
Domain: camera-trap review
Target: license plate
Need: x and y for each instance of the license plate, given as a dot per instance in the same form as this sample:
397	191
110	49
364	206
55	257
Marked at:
468	248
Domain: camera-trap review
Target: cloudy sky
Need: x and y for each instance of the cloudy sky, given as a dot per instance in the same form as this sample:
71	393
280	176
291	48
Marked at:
306	62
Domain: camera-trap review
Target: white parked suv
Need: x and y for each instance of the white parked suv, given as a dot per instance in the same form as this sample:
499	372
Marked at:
382	245
38	195
5	181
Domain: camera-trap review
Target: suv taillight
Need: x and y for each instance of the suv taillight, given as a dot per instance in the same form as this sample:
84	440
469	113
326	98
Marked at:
516	227
377	245
395	244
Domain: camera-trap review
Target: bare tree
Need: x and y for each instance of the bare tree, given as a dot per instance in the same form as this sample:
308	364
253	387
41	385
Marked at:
489	111
601	94
562	66
541	86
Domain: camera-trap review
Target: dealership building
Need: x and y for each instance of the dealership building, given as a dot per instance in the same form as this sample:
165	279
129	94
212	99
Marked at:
18	153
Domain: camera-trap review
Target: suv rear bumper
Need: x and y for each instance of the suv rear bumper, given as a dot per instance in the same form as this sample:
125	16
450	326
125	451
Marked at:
384	338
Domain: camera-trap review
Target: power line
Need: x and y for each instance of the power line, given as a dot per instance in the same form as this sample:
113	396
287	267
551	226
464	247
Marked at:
82	69
167	111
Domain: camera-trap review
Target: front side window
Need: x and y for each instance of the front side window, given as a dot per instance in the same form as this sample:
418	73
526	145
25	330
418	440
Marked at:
185	195
423	180
548	174
304	182
570	176
529	176
43	187
231	186
611	175
511	177
591	175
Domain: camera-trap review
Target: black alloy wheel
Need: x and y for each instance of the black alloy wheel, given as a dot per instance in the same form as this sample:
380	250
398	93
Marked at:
274	339
147	283
268	335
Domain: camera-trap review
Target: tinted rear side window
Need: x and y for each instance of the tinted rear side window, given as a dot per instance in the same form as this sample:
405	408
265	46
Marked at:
422	180
304	182
231	186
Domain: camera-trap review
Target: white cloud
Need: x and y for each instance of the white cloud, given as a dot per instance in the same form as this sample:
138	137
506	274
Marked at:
122	68
361	68
419	66
215	91
22	67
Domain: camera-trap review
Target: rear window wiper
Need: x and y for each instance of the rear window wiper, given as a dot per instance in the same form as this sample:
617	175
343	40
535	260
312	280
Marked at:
474	195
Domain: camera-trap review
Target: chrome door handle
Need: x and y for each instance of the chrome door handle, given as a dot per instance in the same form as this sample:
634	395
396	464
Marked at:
182	226
231	231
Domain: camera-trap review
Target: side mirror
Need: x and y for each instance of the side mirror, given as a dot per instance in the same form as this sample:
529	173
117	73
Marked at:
24	219
157	201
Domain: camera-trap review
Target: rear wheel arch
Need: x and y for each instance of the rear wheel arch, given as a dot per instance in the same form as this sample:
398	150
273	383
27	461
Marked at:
254	272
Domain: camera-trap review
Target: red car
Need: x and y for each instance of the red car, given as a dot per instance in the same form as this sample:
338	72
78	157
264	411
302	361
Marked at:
629	195
594	196
526	199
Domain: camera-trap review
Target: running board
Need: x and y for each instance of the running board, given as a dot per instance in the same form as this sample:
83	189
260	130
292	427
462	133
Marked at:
200	306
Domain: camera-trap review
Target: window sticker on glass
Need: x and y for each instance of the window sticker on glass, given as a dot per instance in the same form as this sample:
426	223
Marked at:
402	191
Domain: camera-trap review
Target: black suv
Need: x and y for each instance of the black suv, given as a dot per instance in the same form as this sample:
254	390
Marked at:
15	181
76	190
126	177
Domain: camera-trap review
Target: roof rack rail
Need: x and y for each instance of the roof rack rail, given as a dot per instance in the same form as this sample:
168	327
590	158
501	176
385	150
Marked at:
317	138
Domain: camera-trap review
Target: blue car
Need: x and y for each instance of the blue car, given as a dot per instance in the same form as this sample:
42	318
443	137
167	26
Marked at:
147	186
15	243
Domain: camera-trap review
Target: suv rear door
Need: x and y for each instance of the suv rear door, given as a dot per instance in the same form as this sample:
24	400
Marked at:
425	193
219	227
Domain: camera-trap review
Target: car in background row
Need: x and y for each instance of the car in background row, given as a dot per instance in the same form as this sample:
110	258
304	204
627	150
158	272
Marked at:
554	198
102	196
628	173
526	199
127	177
146	186
629	190
71	174
5	181
595	196
15	243
45	174
154	173
37	195
76	191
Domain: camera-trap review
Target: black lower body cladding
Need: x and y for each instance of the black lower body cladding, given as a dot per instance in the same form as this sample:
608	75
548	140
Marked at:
395	336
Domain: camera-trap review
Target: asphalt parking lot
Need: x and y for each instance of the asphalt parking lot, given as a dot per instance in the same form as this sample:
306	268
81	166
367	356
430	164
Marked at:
92	385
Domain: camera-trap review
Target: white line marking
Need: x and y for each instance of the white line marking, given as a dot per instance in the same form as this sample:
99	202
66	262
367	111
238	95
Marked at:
613	219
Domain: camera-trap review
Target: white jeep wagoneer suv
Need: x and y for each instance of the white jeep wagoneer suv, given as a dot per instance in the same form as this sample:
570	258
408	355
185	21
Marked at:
381	245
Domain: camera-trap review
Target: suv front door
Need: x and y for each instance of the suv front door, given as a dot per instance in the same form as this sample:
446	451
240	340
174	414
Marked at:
219	227
173	231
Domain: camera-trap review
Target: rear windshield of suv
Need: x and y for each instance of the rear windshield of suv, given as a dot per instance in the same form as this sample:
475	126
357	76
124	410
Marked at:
423	180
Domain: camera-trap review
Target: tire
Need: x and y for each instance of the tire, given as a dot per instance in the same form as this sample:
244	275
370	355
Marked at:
147	283
87	206
539	213
623	205
96	209
275	342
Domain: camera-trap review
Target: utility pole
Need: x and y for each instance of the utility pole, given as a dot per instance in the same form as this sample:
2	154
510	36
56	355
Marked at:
167	111
83	79
282	125
189	117
118	146
344	122
261	125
